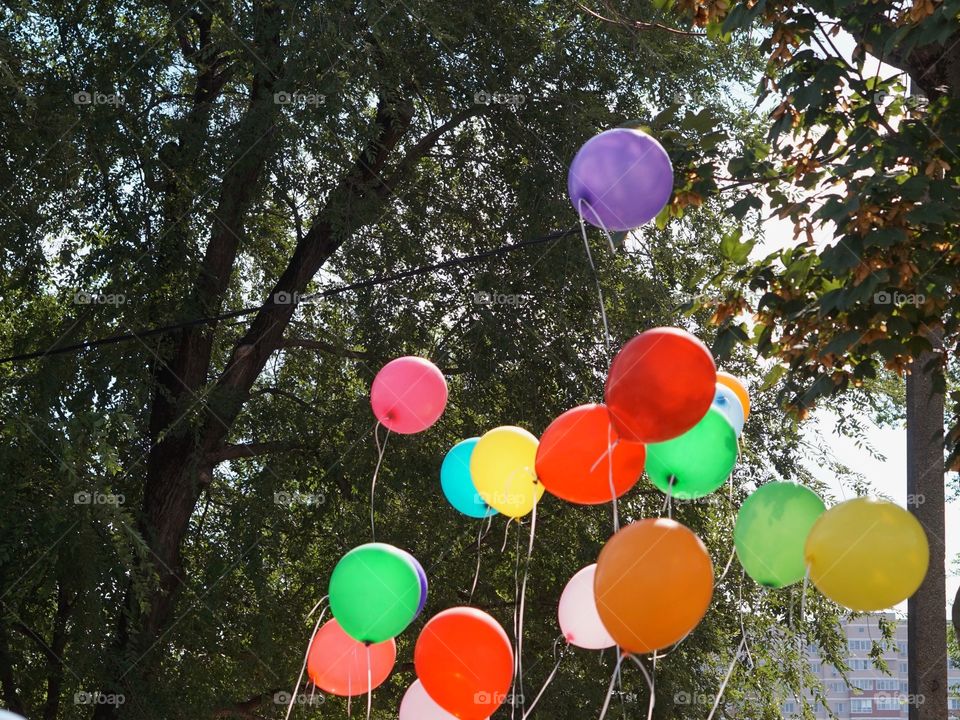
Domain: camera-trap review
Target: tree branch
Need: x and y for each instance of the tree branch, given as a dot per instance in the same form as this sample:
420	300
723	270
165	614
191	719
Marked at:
325	347
251	450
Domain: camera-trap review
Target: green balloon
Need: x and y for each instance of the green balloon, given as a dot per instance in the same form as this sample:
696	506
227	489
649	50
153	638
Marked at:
374	592
771	530
697	462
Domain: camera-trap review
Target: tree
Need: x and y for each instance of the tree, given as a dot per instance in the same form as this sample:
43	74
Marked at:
176	502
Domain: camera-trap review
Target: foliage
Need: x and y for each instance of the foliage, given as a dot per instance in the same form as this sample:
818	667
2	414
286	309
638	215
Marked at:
174	504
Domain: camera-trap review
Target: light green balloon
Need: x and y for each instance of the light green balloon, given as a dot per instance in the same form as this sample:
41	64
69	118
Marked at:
771	530
697	462
374	592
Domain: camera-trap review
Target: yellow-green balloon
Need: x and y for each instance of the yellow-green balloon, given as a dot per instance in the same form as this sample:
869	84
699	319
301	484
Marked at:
867	554
771	530
697	462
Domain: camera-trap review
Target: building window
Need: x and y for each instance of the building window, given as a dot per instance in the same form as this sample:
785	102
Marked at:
887	684
859	664
861	705
954	703
838	708
903	667
862	683
859	645
815	666
888	702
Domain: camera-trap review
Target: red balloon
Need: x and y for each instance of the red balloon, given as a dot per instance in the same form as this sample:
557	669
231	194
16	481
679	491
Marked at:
464	661
338	664
574	457
660	385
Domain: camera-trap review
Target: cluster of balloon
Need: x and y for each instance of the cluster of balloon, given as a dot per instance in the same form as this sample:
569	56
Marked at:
464	664
376	590
865	554
495	473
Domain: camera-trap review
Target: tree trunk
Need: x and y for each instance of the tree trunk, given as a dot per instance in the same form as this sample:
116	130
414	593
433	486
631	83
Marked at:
927	624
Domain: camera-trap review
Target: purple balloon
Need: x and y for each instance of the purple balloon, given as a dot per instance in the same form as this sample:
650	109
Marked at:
624	178
423	581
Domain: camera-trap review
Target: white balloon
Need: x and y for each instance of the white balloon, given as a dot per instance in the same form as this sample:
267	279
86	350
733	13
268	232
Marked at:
417	705
579	620
727	402
7	715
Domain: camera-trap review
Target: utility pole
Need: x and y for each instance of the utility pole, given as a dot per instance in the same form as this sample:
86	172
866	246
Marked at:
927	620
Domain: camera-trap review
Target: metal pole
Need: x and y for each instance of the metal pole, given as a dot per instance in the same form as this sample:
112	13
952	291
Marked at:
927	619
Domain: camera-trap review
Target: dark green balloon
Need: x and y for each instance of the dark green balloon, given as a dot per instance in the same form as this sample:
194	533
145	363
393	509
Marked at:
697	462
771	530
374	592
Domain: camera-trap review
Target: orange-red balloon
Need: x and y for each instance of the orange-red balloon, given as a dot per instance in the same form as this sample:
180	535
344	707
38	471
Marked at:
653	584
338	664
464	661
660	385
574	457
735	384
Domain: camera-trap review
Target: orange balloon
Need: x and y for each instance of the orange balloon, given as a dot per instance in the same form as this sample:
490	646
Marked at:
653	584
339	665
465	663
734	383
575	455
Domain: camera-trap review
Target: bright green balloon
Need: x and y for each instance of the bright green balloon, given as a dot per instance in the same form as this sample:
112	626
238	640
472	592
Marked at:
374	592
772	527
697	462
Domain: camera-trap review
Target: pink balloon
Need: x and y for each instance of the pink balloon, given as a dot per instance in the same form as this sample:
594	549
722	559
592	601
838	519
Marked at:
579	620
408	394
418	705
339	665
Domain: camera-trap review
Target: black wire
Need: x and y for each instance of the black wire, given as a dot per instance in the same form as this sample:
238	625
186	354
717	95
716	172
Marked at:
371	282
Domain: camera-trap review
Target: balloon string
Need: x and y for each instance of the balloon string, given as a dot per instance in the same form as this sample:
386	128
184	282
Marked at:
596	277
800	655
303	669
516	606
376	471
369	684
480	536
613	679
650	686
613	490
506	534
549	679
726	679
523	597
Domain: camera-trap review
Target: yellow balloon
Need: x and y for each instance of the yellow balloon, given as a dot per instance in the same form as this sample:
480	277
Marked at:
502	468
867	554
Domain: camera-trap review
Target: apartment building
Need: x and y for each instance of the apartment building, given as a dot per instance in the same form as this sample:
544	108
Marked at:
871	694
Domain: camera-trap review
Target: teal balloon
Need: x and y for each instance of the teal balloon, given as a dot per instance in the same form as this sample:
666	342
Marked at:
727	402
374	592
457	485
771	530
697	462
